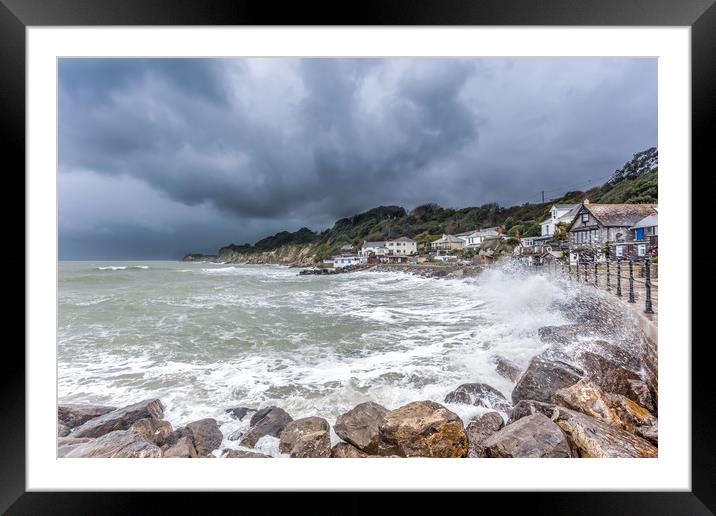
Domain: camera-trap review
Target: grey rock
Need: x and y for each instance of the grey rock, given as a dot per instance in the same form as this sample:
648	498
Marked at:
347	451
480	395
67	444
239	412
76	414
543	378
297	428
507	369
312	445
608	375
531	436
120	443
650	433
206	435
155	430
480	429
267	421
241	454
120	419
63	430
360	426
182	449
528	407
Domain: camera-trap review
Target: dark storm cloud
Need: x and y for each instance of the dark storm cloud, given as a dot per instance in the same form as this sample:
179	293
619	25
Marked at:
212	151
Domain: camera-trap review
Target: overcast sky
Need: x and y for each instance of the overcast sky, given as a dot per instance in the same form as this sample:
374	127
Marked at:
160	157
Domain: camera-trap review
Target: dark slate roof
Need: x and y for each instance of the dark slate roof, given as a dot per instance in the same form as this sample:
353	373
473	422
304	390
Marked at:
620	214
373	244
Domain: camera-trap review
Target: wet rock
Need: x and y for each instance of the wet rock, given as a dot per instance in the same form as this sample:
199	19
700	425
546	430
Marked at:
175	436
347	451
608	375
267	421
480	395
239	412
543	378
312	445
67	444
119	443
120	419
587	398
507	369
360	426
630	414
182	449
480	429
595	438
422	429
206	435
297	428
526	408
76	414
640	393
617	353
63	430
242	454
531	436
155	430
564	334
650	433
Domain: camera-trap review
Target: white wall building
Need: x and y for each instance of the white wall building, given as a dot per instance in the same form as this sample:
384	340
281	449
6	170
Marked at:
402	246
345	261
559	213
476	238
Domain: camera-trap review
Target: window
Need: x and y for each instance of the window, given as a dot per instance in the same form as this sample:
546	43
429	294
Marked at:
641	250
585	217
620	251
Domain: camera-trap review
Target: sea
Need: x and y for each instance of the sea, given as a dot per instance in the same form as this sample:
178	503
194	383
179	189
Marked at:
204	337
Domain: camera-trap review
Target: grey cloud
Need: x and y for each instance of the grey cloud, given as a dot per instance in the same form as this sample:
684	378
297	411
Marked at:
268	144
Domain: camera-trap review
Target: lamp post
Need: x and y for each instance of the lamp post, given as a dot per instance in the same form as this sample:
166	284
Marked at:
609	285
631	281
619	277
647	271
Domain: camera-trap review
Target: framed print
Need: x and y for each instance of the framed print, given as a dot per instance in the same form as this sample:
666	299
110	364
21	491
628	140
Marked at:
421	233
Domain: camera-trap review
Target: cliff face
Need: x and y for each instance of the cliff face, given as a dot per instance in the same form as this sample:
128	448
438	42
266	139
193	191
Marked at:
284	255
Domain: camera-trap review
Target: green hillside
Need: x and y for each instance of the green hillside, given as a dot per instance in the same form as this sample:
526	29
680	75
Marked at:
635	182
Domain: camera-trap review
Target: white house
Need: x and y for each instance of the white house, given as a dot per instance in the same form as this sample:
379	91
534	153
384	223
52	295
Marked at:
402	246
559	213
447	243
345	261
476	238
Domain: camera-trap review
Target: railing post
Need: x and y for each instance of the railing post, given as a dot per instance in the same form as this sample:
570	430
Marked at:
596	280
648	308
631	281
619	277
577	271
585	273
609	284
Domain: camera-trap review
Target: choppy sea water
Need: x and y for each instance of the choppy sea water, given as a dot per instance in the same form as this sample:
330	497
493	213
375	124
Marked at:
205	337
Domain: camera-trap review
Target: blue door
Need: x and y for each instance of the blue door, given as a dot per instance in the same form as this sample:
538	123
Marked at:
639	234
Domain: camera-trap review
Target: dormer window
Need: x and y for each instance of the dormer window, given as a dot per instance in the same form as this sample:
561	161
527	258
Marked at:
585	217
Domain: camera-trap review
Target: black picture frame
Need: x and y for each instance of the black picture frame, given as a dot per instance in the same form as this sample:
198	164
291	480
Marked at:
700	15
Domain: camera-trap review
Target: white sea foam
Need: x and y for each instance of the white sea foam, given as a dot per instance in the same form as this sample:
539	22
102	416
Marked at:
256	336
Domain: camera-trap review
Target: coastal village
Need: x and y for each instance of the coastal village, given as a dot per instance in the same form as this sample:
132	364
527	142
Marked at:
573	233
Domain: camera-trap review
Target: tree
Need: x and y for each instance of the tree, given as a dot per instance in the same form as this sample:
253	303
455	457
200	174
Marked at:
560	232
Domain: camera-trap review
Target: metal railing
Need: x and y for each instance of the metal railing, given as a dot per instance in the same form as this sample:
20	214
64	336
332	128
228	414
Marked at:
635	278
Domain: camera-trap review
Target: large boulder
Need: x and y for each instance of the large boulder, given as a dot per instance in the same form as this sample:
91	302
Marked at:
182	449
359	426
347	451
76	414
67	444
507	368
595	438
120	419
267	421
205	435
640	393
480	395
525	408
531	436
120	443
312	445
63	430
297	428
155	430
543	378
617	353
243	454
607	374
564	334
480	429
422	429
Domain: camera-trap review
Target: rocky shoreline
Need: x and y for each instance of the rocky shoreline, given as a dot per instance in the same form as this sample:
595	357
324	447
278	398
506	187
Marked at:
593	405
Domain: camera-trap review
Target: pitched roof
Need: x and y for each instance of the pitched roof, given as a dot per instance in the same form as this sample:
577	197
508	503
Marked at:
620	214
373	244
448	238
647	222
566	206
403	239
